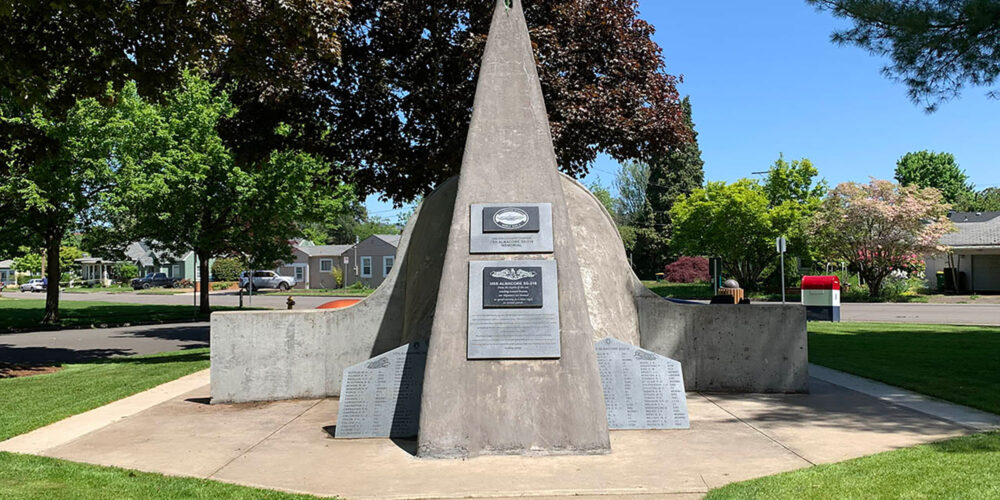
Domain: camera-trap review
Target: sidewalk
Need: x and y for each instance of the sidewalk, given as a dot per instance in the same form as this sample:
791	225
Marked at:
288	445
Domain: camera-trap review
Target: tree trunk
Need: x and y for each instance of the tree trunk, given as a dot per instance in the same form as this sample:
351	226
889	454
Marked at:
205	284
53	273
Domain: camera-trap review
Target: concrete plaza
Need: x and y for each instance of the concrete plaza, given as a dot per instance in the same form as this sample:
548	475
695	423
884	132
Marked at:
289	446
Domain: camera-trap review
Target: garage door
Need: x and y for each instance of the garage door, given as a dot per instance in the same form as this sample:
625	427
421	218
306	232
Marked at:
987	273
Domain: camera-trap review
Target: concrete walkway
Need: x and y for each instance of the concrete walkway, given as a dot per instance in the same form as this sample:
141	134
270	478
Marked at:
288	445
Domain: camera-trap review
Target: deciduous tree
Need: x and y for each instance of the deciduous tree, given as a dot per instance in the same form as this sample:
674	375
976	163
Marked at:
880	227
928	169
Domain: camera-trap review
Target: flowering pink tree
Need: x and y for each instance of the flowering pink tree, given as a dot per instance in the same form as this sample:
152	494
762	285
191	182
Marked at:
880	227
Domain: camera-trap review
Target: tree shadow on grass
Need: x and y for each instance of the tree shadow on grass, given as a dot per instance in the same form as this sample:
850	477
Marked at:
979	443
28	357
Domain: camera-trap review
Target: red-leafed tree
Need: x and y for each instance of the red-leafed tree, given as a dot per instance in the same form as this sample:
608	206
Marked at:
395	112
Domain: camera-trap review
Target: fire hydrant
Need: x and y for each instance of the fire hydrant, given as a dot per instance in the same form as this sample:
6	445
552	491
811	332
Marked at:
291	303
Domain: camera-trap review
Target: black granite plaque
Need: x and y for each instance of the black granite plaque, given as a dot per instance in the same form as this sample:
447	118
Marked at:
642	390
381	397
512	288
514	219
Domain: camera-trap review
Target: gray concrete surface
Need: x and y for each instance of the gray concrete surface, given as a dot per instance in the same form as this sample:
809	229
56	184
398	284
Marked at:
741	348
498	407
949	314
71	346
288	446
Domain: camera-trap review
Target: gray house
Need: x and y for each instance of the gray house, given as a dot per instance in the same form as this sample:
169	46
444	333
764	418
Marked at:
313	265
975	253
370	260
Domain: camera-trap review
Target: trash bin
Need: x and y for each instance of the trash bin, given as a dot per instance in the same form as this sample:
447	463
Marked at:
940	281
821	296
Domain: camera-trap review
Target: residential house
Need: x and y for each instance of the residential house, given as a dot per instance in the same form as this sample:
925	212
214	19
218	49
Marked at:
96	271
149	260
371	260
312	265
7	274
974	256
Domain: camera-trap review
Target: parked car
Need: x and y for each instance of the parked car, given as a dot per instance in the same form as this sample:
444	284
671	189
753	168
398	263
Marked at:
266	280
154	280
36	285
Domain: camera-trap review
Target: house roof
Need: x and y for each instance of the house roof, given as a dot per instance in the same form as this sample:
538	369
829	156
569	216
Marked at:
975	229
6	264
392	239
145	255
325	250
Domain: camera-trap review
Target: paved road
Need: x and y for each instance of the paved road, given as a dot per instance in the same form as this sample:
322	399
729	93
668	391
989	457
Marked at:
954	314
217	299
70	346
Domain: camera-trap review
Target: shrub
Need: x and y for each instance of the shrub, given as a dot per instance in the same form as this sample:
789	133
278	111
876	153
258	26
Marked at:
687	270
23	278
227	269
185	283
125	273
338	276
222	285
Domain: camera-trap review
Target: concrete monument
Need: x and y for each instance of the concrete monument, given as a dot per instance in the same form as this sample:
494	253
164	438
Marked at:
520	401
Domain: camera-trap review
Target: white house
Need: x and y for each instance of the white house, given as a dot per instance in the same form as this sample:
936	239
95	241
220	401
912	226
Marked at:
974	256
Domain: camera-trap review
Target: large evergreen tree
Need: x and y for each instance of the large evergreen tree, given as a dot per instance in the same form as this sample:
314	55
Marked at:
937	47
671	176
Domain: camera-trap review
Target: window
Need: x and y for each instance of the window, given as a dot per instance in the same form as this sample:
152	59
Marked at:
325	265
300	274
387	263
175	271
366	267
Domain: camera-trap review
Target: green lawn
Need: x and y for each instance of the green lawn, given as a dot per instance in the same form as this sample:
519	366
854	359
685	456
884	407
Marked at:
690	291
110	289
956	363
966	468
32	402
18	314
27	477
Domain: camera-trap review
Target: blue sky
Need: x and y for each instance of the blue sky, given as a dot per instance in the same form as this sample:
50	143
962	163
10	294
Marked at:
764	79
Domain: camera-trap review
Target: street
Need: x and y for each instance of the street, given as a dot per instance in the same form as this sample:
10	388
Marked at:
229	298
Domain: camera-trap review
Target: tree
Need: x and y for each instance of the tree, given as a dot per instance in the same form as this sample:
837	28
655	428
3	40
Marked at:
880	227
53	192
28	263
631	182
987	200
59	53
181	187
937	47
740	222
928	169
604	196
730	221
399	105
676	173
228	268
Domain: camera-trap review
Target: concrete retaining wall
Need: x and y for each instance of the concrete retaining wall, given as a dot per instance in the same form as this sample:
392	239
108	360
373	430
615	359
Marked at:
729	348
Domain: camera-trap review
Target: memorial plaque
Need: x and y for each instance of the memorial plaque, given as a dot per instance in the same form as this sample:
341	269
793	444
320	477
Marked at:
512	287
381	397
513	309
511	228
514	219
642	390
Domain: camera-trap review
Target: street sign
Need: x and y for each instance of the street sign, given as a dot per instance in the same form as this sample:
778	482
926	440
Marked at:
782	244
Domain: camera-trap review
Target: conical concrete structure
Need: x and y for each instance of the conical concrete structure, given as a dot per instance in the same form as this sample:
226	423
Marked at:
475	407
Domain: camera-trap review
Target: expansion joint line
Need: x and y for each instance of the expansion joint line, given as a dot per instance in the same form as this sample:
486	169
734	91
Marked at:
762	433
265	438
